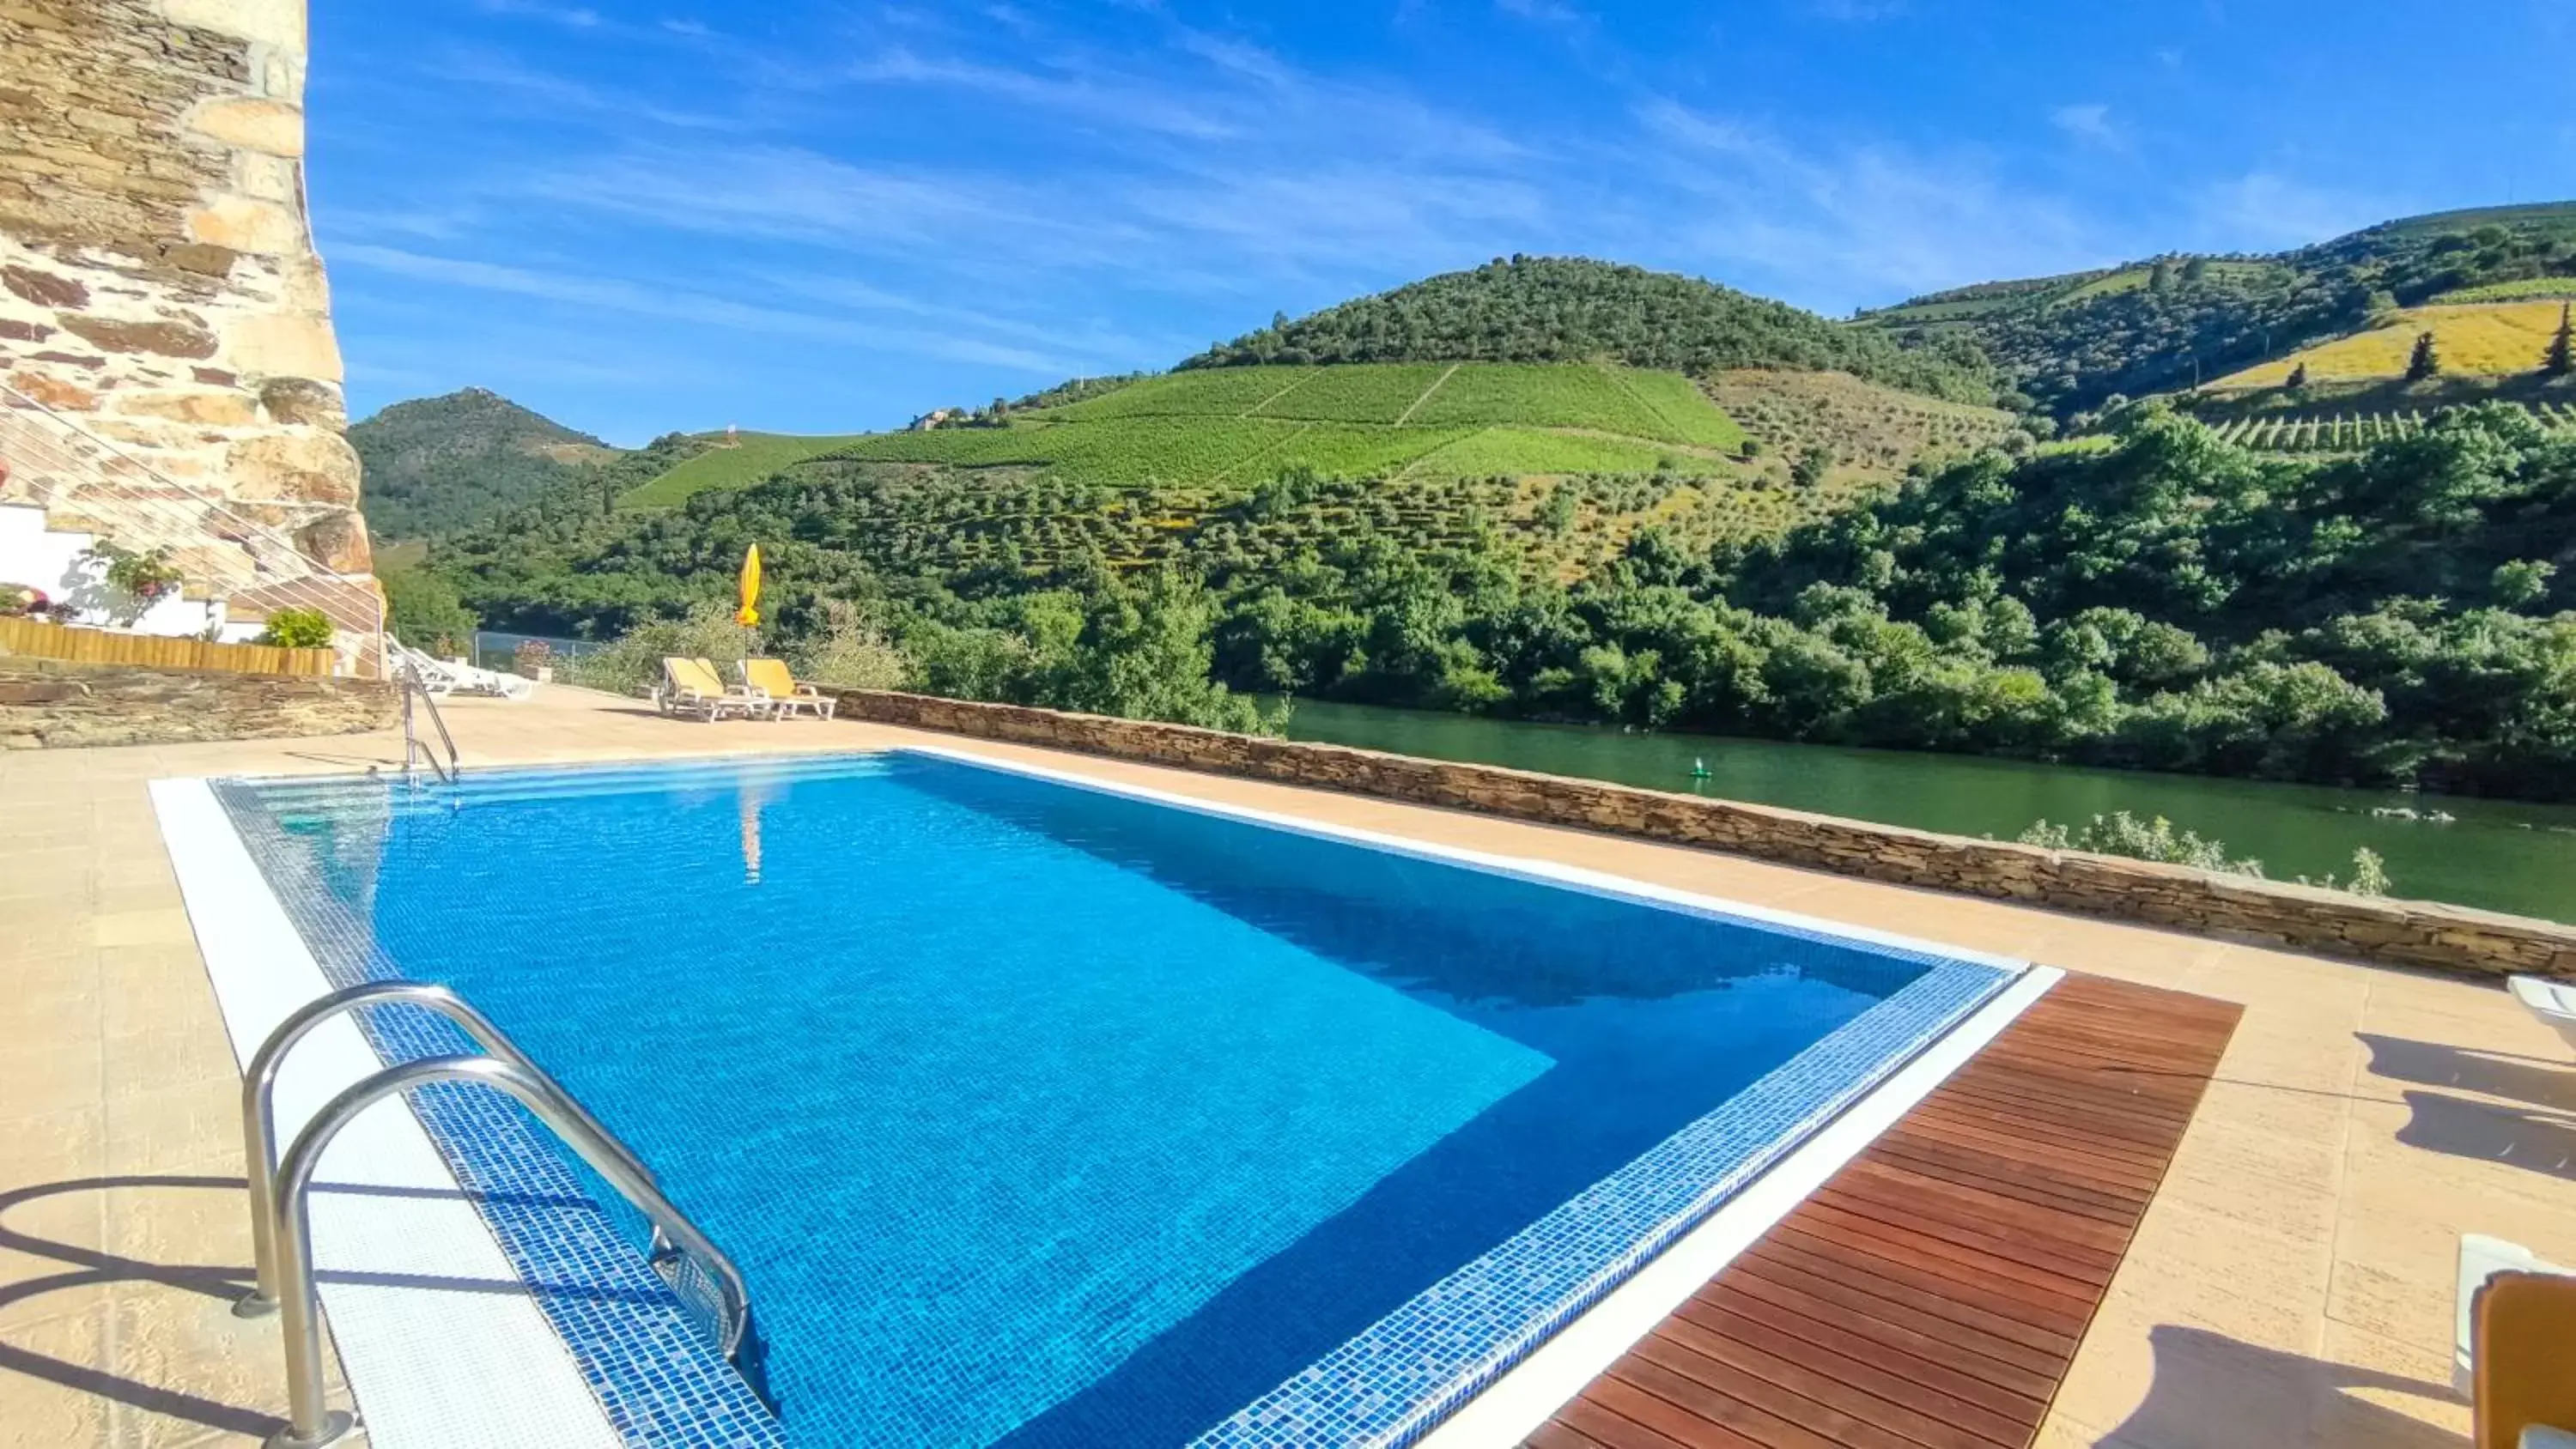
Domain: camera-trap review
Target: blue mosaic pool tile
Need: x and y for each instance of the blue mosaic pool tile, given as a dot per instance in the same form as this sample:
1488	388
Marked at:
651	1359
1392	1383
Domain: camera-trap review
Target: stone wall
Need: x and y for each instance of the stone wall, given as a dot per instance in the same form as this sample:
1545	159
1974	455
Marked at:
58	704
2404	933
157	276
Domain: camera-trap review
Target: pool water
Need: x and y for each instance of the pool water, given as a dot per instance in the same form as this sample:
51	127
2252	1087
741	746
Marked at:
1038	1115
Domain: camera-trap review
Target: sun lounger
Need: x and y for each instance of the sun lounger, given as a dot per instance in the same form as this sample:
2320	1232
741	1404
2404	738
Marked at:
2524	1395
690	688
443	677
771	678
2482	1258
2552	1001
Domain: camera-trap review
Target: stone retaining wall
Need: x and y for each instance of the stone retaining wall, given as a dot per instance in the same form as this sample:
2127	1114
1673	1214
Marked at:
2407	933
58	704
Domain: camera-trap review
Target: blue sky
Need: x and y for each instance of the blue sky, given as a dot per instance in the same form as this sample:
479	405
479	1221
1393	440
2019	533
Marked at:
638	216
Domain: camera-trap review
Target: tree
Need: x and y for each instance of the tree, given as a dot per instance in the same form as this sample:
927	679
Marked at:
2562	347
422	609
2425	360
1811	467
2298	376
2161	279
2522	582
2196	270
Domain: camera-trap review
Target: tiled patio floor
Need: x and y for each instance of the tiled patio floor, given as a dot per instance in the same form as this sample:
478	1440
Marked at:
2290	1285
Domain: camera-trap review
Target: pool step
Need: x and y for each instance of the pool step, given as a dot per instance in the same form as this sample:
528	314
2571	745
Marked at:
498	786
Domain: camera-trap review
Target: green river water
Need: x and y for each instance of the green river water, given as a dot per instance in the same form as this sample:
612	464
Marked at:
2500	854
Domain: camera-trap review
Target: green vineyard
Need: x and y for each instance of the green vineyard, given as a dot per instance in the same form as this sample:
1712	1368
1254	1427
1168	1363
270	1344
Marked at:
2351	432
1227	427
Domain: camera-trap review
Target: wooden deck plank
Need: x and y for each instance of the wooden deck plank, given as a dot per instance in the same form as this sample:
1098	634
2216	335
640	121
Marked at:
1932	1294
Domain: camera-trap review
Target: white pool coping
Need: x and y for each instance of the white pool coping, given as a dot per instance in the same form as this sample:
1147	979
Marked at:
436	1369
430	1366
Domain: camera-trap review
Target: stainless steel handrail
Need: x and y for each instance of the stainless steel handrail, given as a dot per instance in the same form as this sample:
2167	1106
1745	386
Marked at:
414	748
310	1423
259	1110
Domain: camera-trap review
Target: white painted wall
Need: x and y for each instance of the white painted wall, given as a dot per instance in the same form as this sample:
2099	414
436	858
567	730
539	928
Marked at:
50	559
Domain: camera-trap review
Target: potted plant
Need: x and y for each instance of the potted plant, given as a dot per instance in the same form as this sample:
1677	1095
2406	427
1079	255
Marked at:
534	659
297	629
147	577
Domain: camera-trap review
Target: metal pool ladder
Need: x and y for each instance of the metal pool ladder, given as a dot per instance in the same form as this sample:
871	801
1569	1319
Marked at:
416	749
282	1232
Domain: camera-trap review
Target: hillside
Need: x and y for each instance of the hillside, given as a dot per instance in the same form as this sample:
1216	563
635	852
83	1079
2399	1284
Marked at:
1224	429
722	464
1872	433
1555	465
436	465
2072	341
1571	309
2493	339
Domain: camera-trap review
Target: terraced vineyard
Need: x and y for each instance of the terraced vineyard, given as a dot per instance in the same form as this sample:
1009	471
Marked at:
749	458
2350	432
2562	288
1220	427
1871	431
2341	433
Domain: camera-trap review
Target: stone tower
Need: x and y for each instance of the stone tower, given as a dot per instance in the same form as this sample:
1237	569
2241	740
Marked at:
158	282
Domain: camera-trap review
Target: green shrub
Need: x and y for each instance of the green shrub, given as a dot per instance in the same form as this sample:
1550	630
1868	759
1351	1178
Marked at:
633	663
2121	833
297	629
853	653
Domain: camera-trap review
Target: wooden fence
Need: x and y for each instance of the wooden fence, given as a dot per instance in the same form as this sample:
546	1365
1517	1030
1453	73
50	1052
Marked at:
151	651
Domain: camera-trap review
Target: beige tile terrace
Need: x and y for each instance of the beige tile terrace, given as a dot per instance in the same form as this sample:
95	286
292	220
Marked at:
2291	1285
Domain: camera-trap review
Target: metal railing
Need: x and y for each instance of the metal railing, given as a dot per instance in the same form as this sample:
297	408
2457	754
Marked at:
416	749
223	551
281	1229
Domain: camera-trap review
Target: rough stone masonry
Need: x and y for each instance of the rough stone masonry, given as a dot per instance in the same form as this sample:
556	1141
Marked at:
2270	913
158	281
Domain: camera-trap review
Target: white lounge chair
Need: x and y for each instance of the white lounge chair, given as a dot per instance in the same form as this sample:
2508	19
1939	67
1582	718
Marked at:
444	677
2552	1001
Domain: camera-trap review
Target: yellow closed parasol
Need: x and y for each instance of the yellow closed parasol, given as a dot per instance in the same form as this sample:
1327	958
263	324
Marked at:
749	618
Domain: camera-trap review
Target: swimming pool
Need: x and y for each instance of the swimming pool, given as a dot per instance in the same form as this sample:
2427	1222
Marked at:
1043	1115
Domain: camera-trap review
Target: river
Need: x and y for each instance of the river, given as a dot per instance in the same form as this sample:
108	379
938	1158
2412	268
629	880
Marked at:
2500	854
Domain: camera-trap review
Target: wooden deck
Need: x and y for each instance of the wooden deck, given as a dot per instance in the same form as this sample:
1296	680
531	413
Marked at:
1932	1294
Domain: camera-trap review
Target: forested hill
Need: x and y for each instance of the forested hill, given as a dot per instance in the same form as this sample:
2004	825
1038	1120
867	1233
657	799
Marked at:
2163	323
438	464
1570	309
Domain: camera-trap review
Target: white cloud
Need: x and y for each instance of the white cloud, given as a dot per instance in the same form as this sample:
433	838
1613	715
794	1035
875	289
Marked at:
2089	123
560	97
1128	106
1855	12
578	17
699	309
1545	12
2263	211
1836	225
